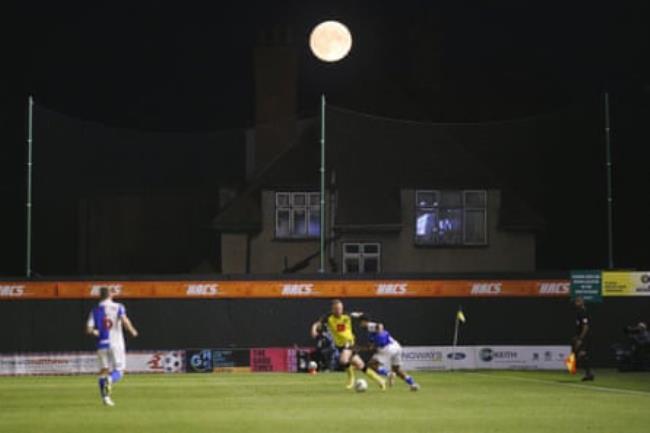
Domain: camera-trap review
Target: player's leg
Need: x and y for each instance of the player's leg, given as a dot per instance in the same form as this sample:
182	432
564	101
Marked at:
103	379
119	364
372	374
396	364
379	363
585	363
345	356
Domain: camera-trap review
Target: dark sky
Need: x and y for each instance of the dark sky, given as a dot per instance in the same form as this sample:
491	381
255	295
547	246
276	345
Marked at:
187	66
162	65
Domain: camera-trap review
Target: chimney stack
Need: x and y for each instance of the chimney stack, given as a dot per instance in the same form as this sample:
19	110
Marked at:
276	75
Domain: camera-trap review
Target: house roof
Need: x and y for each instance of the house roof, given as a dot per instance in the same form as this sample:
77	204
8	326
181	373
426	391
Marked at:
370	159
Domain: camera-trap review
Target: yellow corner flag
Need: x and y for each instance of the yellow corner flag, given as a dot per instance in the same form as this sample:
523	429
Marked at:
461	316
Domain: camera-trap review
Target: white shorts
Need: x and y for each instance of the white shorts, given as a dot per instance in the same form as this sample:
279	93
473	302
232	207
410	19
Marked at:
112	359
389	356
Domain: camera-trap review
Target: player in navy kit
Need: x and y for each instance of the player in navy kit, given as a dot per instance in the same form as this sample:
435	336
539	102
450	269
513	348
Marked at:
582	341
387	359
105	322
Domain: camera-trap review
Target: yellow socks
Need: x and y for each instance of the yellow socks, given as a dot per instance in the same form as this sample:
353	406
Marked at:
377	378
350	371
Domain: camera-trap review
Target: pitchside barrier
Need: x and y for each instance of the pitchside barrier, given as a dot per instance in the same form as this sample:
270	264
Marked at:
49	316
278	359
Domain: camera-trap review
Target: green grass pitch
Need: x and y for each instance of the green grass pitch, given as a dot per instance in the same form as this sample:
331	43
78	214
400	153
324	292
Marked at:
462	402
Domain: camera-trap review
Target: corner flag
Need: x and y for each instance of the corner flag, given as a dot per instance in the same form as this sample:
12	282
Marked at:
460	315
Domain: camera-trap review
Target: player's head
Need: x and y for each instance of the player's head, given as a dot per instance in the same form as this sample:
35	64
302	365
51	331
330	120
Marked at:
337	307
104	293
579	302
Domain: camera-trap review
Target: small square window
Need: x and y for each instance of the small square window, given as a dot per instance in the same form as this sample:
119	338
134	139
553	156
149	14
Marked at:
370	248
282	223
371	265
282	199
450	199
475	230
314	221
351	266
300	222
299	199
426	199
475	199
352	248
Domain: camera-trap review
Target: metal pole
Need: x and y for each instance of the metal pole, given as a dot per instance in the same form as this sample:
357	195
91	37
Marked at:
322	185
455	343
610	199
28	247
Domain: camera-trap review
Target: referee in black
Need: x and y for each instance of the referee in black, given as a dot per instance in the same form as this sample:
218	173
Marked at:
582	340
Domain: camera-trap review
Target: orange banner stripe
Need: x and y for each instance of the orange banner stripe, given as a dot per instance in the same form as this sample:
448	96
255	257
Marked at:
286	289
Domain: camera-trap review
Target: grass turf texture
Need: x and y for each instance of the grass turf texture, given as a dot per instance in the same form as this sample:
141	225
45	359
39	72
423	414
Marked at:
448	402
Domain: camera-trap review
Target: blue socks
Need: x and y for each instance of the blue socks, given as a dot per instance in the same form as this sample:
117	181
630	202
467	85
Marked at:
116	376
102	383
383	371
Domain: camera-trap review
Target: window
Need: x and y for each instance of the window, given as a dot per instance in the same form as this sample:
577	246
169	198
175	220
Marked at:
297	215
361	258
450	217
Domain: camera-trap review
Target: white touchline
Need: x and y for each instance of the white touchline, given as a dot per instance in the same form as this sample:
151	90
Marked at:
573	385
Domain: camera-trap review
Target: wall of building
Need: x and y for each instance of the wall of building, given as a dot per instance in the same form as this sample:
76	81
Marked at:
58	325
268	253
506	251
233	253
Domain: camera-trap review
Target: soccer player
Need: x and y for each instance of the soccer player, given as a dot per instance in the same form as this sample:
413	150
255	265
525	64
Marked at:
105	322
339	325
582	341
388	353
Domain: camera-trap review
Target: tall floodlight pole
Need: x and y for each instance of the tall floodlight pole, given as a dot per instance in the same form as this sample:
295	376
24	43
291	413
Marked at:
330	41
610	199
321	269
28	204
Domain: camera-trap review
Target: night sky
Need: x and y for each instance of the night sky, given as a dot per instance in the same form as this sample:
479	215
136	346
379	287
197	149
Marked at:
187	67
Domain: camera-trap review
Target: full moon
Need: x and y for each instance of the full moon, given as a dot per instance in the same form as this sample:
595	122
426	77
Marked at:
330	41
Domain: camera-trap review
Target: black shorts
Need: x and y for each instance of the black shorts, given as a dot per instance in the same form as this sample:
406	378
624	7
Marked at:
347	346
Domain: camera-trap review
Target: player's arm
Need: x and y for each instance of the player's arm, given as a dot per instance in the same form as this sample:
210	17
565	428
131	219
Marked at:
90	326
316	327
129	326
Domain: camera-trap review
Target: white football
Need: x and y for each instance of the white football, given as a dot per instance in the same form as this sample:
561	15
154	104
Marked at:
312	365
361	385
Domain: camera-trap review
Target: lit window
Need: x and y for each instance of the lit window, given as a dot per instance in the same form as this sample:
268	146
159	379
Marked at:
450	217
297	215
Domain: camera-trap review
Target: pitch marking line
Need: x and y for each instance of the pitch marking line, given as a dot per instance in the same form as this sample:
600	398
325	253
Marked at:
573	385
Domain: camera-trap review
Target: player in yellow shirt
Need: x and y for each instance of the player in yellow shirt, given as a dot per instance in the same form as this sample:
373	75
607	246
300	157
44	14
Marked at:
339	325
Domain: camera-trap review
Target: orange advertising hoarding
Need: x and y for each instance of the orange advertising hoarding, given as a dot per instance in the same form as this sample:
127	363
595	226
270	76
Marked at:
286	289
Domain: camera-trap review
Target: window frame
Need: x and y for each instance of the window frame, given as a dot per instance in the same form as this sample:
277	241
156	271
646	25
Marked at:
475	208
292	209
360	257
435	208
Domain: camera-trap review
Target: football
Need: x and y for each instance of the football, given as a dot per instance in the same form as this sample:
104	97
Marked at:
312	367
361	385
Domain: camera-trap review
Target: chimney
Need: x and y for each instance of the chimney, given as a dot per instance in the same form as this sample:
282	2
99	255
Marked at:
276	74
